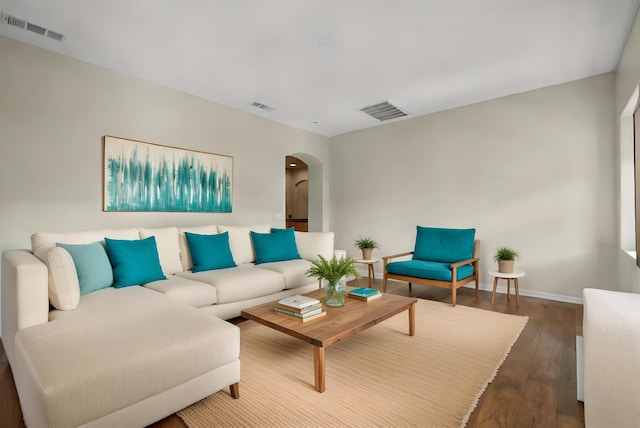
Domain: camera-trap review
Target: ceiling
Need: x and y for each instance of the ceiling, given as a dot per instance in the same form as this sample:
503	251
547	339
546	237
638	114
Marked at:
317	63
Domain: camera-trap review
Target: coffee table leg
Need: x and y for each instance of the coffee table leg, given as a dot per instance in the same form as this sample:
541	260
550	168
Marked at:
318	367
412	319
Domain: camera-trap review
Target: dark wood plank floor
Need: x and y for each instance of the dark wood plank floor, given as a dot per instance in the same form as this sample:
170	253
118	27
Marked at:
535	387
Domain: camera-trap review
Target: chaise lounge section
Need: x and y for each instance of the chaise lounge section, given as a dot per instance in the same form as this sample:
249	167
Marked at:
132	355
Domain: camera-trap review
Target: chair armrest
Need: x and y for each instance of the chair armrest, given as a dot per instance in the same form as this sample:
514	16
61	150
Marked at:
463	262
386	258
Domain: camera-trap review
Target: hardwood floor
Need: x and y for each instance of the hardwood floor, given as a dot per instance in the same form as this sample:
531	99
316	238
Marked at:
535	387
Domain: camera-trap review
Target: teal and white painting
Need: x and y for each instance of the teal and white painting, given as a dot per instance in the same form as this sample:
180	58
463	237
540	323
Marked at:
142	176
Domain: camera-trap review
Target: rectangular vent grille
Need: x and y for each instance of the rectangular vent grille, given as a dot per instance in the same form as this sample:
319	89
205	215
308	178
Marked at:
55	36
35	29
383	111
5	18
261	106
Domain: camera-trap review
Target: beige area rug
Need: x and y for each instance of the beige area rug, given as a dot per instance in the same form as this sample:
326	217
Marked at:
380	377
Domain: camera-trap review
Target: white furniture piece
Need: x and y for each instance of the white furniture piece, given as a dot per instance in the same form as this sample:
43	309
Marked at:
508	276
611	332
370	272
128	357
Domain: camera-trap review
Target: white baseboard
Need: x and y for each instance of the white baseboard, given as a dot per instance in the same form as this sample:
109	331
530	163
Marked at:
502	289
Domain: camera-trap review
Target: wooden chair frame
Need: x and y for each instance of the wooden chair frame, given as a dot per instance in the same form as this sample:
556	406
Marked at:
453	285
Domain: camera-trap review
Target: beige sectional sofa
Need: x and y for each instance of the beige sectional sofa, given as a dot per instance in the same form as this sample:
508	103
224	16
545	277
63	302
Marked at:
130	356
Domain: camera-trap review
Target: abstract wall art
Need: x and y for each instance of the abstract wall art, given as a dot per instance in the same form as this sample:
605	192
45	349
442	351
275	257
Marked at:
141	176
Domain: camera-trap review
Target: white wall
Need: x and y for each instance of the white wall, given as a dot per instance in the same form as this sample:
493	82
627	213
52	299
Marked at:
535	171
54	112
627	79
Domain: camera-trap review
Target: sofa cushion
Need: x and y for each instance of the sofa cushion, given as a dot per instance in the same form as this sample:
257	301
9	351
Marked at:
64	288
50	239
210	252
193	293
239	283
294	272
310	244
240	241
168	245
274	247
105	378
429	270
92	266
444	245
135	262
185	254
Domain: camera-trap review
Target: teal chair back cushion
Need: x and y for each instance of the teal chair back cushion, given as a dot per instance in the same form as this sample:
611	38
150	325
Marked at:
444	245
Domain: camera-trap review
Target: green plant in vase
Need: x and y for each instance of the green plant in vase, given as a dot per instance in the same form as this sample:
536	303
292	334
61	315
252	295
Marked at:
366	245
335	272
505	257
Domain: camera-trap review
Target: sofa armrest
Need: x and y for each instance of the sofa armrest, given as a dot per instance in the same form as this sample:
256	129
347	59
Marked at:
339	254
25	294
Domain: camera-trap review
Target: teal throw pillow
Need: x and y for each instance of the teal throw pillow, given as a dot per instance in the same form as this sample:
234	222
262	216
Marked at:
277	229
92	265
210	252
275	247
437	244
134	262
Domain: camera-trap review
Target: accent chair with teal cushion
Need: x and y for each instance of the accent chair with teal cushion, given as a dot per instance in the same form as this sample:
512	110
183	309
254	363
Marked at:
446	258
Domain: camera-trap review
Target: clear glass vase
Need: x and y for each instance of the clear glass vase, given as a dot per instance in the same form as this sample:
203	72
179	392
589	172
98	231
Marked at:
336	293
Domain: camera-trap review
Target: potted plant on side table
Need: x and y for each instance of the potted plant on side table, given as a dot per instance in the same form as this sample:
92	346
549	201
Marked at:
505	257
366	245
335	272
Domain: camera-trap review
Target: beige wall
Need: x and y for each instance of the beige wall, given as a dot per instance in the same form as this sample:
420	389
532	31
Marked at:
535	171
627	78
54	112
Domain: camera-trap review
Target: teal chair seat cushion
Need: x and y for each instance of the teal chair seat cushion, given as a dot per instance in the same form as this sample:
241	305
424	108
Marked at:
428	270
444	245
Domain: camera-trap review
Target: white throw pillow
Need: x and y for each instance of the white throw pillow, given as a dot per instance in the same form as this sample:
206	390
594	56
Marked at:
240	241
310	244
185	253
64	287
168	247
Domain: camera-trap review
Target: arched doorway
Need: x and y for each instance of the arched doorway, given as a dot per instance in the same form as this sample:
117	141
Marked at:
304	192
297	195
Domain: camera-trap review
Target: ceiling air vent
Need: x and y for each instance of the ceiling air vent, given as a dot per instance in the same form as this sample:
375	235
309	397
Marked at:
5	18
262	107
383	111
55	36
36	29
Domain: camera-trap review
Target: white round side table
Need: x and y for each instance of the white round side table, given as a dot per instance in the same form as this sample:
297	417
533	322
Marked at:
508	276
369	264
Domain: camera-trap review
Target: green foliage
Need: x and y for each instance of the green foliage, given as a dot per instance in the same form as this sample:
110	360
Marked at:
365	242
505	253
334	269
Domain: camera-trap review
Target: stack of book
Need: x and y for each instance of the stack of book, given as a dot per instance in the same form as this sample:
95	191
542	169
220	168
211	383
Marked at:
365	294
302	308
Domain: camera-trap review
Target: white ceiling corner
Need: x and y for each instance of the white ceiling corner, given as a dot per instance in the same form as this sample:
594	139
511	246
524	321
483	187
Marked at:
318	63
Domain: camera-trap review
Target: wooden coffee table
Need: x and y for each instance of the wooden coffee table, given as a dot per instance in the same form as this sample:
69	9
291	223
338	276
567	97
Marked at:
338	324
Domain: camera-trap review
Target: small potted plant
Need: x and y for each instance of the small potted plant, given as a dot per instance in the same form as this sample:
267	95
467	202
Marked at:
335	272
367	246
505	257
